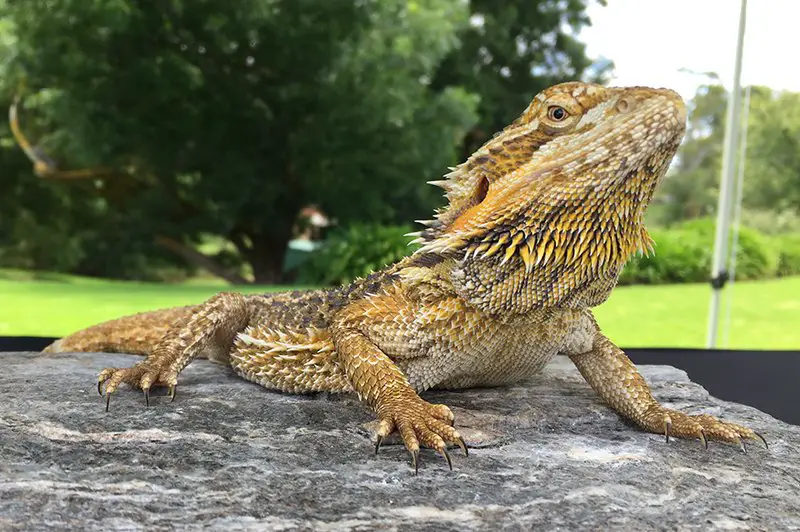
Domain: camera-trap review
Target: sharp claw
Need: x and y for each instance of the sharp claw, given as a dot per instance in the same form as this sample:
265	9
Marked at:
667	428
100	387
173	390
762	439
446	455
742	445
378	444
147	396
108	400
461	443
415	461
703	438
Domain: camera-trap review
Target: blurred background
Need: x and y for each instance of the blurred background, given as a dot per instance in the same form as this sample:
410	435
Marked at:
157	152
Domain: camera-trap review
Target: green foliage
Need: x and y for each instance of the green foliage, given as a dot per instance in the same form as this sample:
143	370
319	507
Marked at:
229	133
788	247
512	50
773	151
355	251
772	163
27	243
680	257
756	256
66	227
690	189
684	253
772	221
228	118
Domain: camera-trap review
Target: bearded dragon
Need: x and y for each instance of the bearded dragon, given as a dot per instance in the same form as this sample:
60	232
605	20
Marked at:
537	226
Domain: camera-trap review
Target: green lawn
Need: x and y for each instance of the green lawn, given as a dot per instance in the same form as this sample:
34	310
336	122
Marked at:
766	314
55	305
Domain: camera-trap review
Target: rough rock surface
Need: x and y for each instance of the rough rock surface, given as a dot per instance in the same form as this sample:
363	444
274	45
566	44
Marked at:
228	454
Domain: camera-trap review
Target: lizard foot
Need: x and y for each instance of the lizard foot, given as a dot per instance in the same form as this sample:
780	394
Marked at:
143	375
418	421
702	426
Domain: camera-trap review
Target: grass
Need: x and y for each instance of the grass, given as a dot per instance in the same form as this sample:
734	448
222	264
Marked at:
765	314
36	304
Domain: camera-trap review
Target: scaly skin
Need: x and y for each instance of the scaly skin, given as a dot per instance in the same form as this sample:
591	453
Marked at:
537	226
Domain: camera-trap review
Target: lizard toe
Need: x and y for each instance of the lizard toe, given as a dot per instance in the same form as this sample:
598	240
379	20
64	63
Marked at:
719	430
417	425
704	427
441	412
113	377
142	376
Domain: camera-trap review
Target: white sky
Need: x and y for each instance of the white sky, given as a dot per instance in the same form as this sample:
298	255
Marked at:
651	40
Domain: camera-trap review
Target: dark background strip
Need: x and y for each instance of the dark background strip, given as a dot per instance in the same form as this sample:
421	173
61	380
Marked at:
767	380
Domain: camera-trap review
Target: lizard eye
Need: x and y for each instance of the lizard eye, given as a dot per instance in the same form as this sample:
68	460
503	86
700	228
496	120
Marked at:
556	113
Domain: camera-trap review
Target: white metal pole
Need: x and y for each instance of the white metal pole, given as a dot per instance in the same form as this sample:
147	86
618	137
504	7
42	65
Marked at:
737	218
718	276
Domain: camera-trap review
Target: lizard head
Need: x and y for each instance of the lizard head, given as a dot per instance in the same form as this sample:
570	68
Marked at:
548	211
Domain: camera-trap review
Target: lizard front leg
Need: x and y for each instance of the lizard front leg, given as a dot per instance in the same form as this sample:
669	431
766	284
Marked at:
382	385
617	381
210	328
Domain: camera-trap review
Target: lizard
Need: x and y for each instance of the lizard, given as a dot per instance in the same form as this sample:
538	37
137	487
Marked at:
537	226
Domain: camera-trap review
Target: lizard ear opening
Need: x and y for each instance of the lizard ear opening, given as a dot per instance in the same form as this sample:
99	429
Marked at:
482	190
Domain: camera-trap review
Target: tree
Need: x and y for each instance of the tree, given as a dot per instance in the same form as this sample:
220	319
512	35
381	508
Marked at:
773	153
510	52
772	164
231	117
222	121
46	225
690	189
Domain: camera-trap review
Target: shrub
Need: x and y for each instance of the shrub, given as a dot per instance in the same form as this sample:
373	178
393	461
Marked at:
684	253
756	256
788	247
680	257
770	222
355	251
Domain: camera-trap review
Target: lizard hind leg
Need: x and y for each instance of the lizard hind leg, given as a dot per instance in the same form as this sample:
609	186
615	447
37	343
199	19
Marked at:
289	360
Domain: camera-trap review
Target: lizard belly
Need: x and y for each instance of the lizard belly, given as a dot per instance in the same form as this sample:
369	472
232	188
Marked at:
492	353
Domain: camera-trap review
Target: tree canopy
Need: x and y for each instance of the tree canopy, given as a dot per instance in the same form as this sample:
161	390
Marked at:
771	191
221	121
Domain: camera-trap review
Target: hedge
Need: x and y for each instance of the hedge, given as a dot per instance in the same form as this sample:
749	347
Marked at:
684	254
788	254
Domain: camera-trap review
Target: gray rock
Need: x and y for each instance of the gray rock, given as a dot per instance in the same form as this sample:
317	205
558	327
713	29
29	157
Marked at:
228	454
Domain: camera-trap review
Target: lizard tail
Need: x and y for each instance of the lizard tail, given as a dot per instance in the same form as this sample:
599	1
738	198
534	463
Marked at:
135	334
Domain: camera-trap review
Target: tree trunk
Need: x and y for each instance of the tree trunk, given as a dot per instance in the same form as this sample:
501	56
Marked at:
193	256
266	258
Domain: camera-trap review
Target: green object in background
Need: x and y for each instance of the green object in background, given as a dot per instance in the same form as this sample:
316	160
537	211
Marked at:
298	252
